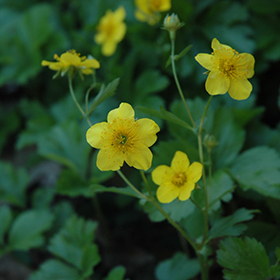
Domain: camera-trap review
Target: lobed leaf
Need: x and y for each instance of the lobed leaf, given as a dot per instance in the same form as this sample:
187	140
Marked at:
258	169
27	230
179	267
243	259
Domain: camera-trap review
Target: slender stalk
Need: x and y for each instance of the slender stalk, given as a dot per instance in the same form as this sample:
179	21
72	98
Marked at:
177	81
169	219
204	267
199	137
132	186
74	97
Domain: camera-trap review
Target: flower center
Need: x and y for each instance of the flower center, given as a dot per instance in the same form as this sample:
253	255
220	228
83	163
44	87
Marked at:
227	66
122	139
179	179
230	63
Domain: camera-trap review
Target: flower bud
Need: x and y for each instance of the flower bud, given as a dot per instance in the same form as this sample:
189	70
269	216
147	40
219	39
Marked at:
172	23
210	142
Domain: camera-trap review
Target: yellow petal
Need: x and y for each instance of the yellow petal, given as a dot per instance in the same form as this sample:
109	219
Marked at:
100	37
240	89
87	71
185	191
124	111
165	5
119	32
217	83
167	192
205	60
120	14
162	174
140	157
109	47
216	45
108	159
249	61
148	129
96	134
180	162
194	172
56	66
90	63
70	59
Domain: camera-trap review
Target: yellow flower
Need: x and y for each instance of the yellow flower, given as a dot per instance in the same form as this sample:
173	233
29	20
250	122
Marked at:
122	138
111	30
178	180
148	10
72	59
229	71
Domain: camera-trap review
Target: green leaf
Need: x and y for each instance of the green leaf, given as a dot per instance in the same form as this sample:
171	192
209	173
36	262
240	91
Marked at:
42	198
150	81
104	93
229	135
176	209
27	230
179	267
56	270
220	190
74	244
13	184
117	273
243	259
6	217
166	115
65	143
229	226
125	191
258	169
71	184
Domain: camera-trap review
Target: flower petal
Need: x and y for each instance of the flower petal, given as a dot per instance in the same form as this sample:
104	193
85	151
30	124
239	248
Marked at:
90	63
185	191
140	157
108	159
216	45
120	14
167	192
180	162
70	59
217	83
125	110
56	66
162	174
206	60
119	33
148	129
109	47
194	172
240	89
249	61
96	134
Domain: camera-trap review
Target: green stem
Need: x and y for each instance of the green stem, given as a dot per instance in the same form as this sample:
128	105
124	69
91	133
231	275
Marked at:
204	266
177	81
132	186
169	219
76	101
200	148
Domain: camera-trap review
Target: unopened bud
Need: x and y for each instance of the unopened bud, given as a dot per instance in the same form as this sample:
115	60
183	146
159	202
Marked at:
210	142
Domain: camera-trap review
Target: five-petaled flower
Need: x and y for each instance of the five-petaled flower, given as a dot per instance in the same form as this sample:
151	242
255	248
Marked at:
148	10
111	30
178	180
122	138
229	71
72	60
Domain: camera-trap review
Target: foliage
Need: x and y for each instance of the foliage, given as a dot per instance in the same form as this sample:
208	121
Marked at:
63	218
